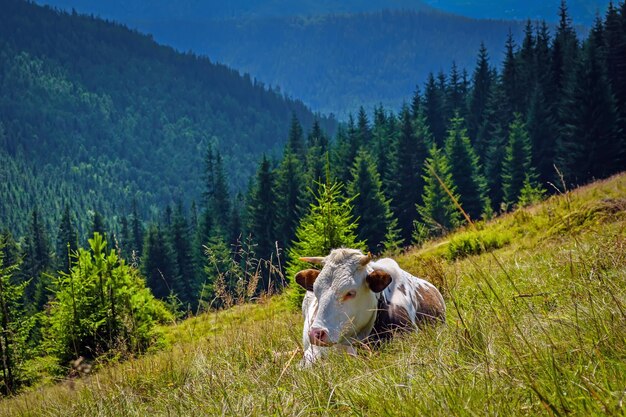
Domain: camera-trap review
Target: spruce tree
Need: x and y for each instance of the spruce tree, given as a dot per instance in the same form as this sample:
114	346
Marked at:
289	191
482	81
542	130
328	224
37	261
262	211
434	110
412	148
465	170
97	224
526	69
158	264
416	103
363	130
180	239
14	327
136	232
295	140
589	146
510	75
67	241
370	206
317	153
517	161
438	211
615	40
455	96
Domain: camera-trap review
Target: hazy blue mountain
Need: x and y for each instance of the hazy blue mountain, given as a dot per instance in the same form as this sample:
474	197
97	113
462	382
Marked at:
336	63
332	60
582	11
138	12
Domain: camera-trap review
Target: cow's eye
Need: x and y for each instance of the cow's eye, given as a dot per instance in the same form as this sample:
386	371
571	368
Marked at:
350	294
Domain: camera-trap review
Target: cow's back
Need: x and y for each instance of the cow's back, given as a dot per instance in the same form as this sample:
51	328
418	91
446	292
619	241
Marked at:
407	302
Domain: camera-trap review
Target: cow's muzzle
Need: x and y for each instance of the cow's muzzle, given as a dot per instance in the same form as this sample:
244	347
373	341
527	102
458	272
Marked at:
319	337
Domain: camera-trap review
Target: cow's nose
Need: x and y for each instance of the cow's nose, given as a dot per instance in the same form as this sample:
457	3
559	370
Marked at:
318	337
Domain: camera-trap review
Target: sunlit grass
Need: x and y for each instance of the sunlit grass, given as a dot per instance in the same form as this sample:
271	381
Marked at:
535	327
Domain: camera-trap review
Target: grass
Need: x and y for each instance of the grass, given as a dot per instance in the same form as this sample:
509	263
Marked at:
536	326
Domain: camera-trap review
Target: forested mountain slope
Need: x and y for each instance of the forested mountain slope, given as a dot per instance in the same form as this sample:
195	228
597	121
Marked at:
94	115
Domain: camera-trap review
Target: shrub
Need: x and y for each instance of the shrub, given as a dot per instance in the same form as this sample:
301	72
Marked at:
102	307
476	242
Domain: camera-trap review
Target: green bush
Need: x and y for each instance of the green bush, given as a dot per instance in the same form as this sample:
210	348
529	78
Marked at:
476	242
102	307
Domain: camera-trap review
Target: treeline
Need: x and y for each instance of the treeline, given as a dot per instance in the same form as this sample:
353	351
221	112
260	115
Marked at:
93	115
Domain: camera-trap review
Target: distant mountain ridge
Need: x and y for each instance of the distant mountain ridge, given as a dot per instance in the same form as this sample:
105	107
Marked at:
332	60
95	115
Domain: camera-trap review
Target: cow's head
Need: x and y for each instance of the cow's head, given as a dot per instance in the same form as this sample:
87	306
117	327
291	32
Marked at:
345	290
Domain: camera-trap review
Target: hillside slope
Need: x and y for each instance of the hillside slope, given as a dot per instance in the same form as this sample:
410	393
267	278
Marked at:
94	114
536	326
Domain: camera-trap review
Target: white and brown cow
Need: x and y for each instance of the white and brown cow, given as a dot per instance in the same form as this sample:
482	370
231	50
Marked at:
353	299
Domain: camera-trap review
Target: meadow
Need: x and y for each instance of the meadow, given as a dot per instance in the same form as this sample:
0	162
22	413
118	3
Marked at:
536	325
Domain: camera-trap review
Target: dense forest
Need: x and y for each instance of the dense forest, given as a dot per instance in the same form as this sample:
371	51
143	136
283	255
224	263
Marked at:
554	116
94	115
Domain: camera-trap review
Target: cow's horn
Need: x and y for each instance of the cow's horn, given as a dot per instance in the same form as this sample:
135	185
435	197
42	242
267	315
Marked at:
366	259
312	259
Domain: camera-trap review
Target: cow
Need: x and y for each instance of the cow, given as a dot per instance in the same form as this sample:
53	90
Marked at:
353	299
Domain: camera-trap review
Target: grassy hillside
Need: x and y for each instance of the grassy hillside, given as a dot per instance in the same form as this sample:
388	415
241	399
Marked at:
536	326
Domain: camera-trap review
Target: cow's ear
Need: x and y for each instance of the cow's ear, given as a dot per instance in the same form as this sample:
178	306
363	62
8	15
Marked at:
307	278
378	280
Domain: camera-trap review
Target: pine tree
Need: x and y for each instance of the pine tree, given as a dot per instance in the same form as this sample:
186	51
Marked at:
517	161
37	261
136	232
465	170
482	80
589	146
97	224
295	141
262	211
344	151
510	75
527	76
491	142
438	211
434	110
180	239
455	96
363	130
615	40
413	142
14	327
370	206
416	103
317	153
158	264
328	224
67	241
542	130
289	191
